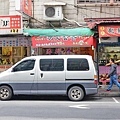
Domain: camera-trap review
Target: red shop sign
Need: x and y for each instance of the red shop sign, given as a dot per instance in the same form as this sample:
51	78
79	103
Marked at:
11	24
109	31
62	41
24	6
27	7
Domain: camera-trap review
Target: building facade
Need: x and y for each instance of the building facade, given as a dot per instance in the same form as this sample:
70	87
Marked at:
50	17
13	44
65	16
77	10
95	14
74	11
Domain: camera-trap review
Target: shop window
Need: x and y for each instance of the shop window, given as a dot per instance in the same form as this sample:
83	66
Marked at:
119	39
25	66
11	55
105	53
51	64
77	64
68	51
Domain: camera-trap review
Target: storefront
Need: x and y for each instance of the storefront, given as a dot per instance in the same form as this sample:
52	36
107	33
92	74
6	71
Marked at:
109	47
79	41
64	45
13	49
13	45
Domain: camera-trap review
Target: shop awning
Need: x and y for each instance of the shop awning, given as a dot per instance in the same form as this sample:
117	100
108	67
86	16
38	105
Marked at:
59	32
92	22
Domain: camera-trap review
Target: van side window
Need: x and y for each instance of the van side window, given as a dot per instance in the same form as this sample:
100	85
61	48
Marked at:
77	64
51	64
24	66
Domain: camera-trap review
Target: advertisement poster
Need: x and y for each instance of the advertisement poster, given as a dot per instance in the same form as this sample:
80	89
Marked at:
11	24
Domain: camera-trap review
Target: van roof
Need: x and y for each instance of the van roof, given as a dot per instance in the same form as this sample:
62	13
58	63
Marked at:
59	56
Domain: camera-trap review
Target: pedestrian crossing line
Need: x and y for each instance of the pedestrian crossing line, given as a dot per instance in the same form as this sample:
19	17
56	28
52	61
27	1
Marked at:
115	100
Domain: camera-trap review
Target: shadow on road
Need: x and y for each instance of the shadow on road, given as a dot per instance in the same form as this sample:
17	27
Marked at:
41	98
52	98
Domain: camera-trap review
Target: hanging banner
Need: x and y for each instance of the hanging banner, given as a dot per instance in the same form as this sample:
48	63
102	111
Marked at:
11	24
62	41
109	31
24	6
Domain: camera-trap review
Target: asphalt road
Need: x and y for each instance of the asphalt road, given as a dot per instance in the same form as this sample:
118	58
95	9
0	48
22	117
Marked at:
60	108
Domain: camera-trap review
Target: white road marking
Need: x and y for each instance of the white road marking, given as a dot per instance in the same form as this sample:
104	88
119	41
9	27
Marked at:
115	100
80	106
55	102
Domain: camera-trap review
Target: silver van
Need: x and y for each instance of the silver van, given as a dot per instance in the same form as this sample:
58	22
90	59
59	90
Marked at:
71	75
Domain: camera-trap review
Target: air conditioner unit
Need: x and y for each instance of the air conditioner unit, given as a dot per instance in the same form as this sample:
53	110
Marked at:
53	13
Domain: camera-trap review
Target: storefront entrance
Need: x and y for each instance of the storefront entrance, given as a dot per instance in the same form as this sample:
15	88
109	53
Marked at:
63	46
11	55
13	49
108	48
66	51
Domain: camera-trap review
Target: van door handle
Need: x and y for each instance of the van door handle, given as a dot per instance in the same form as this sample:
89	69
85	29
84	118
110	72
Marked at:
31	73
41	75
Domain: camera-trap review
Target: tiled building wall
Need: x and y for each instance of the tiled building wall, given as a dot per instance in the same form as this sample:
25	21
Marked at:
7	7
79	13
70	11
4	7
12	8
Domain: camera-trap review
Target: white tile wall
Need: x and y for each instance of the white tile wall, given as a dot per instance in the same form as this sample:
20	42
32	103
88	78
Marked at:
4	7
70	12
12	10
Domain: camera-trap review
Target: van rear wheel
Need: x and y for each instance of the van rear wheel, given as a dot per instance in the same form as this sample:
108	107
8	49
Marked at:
5	93
76	93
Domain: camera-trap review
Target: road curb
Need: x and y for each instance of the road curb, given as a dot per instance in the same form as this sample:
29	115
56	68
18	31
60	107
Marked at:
111	94
115	92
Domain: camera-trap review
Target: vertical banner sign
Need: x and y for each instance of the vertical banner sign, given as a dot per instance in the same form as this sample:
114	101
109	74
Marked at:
109	31
11	24
24	6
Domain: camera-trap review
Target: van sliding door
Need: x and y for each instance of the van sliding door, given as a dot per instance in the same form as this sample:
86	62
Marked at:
51	76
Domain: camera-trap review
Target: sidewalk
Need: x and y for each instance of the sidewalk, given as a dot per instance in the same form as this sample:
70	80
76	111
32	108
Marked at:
115	92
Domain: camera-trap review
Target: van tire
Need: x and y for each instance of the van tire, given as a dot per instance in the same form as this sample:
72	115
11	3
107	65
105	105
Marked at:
76	93
5	93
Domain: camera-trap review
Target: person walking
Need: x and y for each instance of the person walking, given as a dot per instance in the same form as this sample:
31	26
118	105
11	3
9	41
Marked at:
118	61
113	75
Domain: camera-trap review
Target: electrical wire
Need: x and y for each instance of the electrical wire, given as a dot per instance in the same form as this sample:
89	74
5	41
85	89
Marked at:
73	21
96	10
84	8
99	11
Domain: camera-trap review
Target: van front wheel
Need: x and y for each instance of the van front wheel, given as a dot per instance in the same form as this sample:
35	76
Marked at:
5	93
76	93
